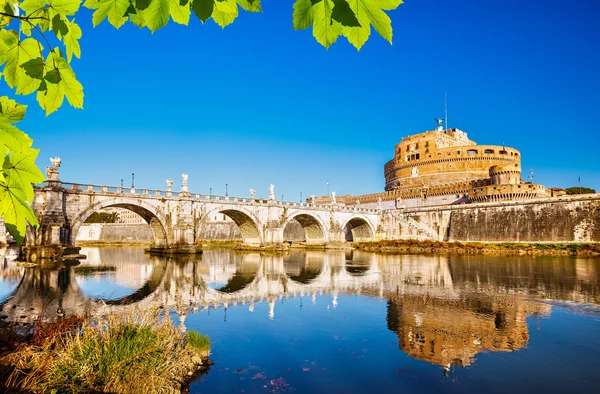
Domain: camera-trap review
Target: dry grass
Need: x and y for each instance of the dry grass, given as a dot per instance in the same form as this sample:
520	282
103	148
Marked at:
133	354
426	246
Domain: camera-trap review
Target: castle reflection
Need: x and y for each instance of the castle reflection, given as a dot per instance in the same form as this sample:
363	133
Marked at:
444	309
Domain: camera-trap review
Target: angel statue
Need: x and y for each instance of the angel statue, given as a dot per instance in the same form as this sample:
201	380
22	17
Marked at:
271	192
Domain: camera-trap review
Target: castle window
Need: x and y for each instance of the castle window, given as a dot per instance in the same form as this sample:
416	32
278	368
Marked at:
516	155
417	145
458	152
417	156
503	152
472	152
488	151
427	144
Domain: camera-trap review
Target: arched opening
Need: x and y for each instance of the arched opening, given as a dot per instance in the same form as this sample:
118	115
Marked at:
11	273
119	276
304	228
147	230
227	272
302	268
247	226
358	230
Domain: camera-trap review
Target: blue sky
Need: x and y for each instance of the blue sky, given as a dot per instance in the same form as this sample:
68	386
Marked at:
258	103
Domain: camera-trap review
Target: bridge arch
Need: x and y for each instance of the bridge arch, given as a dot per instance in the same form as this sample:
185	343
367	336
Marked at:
314	228
247	223
148	212
359	228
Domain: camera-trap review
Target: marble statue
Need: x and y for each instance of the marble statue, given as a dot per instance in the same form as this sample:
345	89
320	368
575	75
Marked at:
169	185
52	171
55	162
271	192
333	196
184	185
252	194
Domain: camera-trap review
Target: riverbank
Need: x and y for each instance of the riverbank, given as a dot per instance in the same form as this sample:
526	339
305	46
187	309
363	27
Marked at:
486	248
121	354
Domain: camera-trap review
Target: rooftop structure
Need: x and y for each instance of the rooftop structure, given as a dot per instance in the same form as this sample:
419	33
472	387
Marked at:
444	166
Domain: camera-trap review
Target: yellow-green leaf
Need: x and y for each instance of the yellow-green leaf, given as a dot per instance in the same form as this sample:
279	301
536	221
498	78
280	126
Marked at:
59	82
72	40
225	12
180	13
113	9
303	14
325	29
14	53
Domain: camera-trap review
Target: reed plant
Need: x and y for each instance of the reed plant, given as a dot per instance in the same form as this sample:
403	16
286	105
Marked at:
142	353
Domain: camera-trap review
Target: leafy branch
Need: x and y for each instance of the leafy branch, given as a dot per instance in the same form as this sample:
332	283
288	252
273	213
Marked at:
30	68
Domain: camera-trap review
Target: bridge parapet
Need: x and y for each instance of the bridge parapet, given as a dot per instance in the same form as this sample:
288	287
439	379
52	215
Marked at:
86	188
177	217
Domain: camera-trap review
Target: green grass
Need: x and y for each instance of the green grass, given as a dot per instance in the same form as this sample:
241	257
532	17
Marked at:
127	354
198	341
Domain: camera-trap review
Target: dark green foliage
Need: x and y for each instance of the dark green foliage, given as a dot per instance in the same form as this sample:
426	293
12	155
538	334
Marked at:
580	190
103	217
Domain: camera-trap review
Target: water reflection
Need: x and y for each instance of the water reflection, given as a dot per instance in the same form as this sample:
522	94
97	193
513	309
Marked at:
443	309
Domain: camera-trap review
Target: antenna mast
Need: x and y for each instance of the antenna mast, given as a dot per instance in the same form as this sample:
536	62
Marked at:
446	110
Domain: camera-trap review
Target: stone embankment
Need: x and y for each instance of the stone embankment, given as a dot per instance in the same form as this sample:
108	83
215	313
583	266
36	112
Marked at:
486	248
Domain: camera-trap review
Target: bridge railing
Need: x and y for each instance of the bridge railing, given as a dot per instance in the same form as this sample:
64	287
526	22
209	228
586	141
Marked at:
104	189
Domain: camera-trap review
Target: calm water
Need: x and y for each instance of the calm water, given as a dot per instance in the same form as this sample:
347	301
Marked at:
315	322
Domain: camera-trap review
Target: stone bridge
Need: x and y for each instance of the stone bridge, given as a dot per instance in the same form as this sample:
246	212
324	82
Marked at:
176	218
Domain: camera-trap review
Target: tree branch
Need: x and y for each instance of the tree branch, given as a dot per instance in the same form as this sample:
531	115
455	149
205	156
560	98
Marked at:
24	18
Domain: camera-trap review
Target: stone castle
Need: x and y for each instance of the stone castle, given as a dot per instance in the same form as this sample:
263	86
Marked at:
444	166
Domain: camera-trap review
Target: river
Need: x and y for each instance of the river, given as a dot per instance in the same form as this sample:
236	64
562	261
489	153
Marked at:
352	322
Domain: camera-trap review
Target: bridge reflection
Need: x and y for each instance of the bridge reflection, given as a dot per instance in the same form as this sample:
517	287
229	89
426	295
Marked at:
444	309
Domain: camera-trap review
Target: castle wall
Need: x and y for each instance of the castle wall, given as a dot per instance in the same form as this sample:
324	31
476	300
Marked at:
115	233
563	219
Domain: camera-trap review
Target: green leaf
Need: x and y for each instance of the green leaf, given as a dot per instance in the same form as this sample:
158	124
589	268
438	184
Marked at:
389	5
203	9
157	14
12	138
72	40
344	14
59	27
13	112
15	209
142	4
34	68
250	5
325	29
20	169
369	12
180	13
303	14
225	12
60	82
15	53
113	9
65	7
33	7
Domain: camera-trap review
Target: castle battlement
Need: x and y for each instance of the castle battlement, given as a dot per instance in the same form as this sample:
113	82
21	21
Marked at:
444	166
